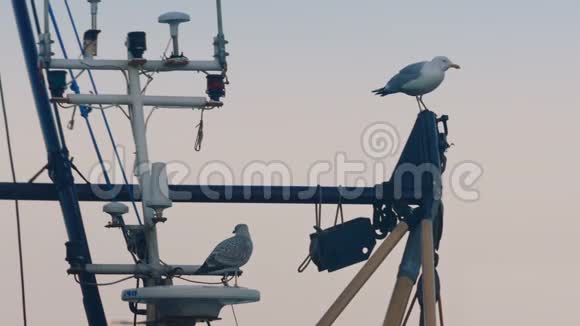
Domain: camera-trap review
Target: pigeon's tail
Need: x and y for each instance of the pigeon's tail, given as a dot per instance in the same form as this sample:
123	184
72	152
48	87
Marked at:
203	269
383	91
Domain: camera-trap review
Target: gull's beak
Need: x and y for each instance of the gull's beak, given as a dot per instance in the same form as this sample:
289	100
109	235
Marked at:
453	65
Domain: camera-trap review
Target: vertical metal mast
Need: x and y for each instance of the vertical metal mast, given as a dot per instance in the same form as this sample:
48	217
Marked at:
59	165
143	165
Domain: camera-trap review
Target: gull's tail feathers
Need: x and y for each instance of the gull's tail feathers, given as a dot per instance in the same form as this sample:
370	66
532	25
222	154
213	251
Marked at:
383	91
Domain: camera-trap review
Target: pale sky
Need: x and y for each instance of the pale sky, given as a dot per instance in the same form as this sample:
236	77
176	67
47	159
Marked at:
301	74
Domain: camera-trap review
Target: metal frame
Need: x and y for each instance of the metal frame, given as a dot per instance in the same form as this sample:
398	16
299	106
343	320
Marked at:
69	194
58	164
207	193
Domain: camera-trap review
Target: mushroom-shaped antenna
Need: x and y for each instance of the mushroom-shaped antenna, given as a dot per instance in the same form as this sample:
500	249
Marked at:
116	210
174	19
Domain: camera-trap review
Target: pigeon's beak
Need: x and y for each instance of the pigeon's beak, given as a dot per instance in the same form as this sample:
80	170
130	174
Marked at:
453	65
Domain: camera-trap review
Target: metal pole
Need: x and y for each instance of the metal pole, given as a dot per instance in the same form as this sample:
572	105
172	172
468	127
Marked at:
399	301
59	164
428	262
94	12
143	166
175	42
219	18
46	17
406	278
363	275
182	102
143	172
264	194
149	66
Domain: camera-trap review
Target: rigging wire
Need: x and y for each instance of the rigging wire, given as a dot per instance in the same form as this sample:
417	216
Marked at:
164	55
318	221
93	107
35	14
441	321
205	283
59	126
408	314
105	120
104	116
76	277
234	313
120	69
149	116
75	78
149	79
17	207
75	88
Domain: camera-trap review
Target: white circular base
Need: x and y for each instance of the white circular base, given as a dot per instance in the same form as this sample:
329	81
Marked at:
190	302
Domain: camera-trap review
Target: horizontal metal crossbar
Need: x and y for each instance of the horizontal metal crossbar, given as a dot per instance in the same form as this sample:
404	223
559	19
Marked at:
206	193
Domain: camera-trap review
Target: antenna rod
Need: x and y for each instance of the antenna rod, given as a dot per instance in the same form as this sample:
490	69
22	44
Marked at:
94	12
46	21
219	18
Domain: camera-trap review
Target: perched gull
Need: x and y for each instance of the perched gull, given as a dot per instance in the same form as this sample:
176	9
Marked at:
231	253
418	79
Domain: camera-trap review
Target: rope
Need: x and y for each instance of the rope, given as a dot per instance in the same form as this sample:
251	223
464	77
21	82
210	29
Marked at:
318	209
234	313
75	88
35	14
411	308
441	322
74	167
17	206
304	264
37	174
339	207
318	221
76	277
199	137
205	283
71	122
149	116
59	125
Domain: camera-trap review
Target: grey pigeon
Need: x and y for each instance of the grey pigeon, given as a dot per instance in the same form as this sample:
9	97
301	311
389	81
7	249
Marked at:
418	79
231	253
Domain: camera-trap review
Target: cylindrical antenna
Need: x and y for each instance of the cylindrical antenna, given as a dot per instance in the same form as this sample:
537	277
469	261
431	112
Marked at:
220	40
94	12
46	16
219	17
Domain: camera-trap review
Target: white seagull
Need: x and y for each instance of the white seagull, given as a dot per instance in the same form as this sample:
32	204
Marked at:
418	79
232	253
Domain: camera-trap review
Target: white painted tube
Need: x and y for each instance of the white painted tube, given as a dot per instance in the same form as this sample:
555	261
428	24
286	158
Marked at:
161	101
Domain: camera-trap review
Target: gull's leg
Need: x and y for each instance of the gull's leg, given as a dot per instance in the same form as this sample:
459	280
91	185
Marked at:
421	100
225	280
418	102
236	278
